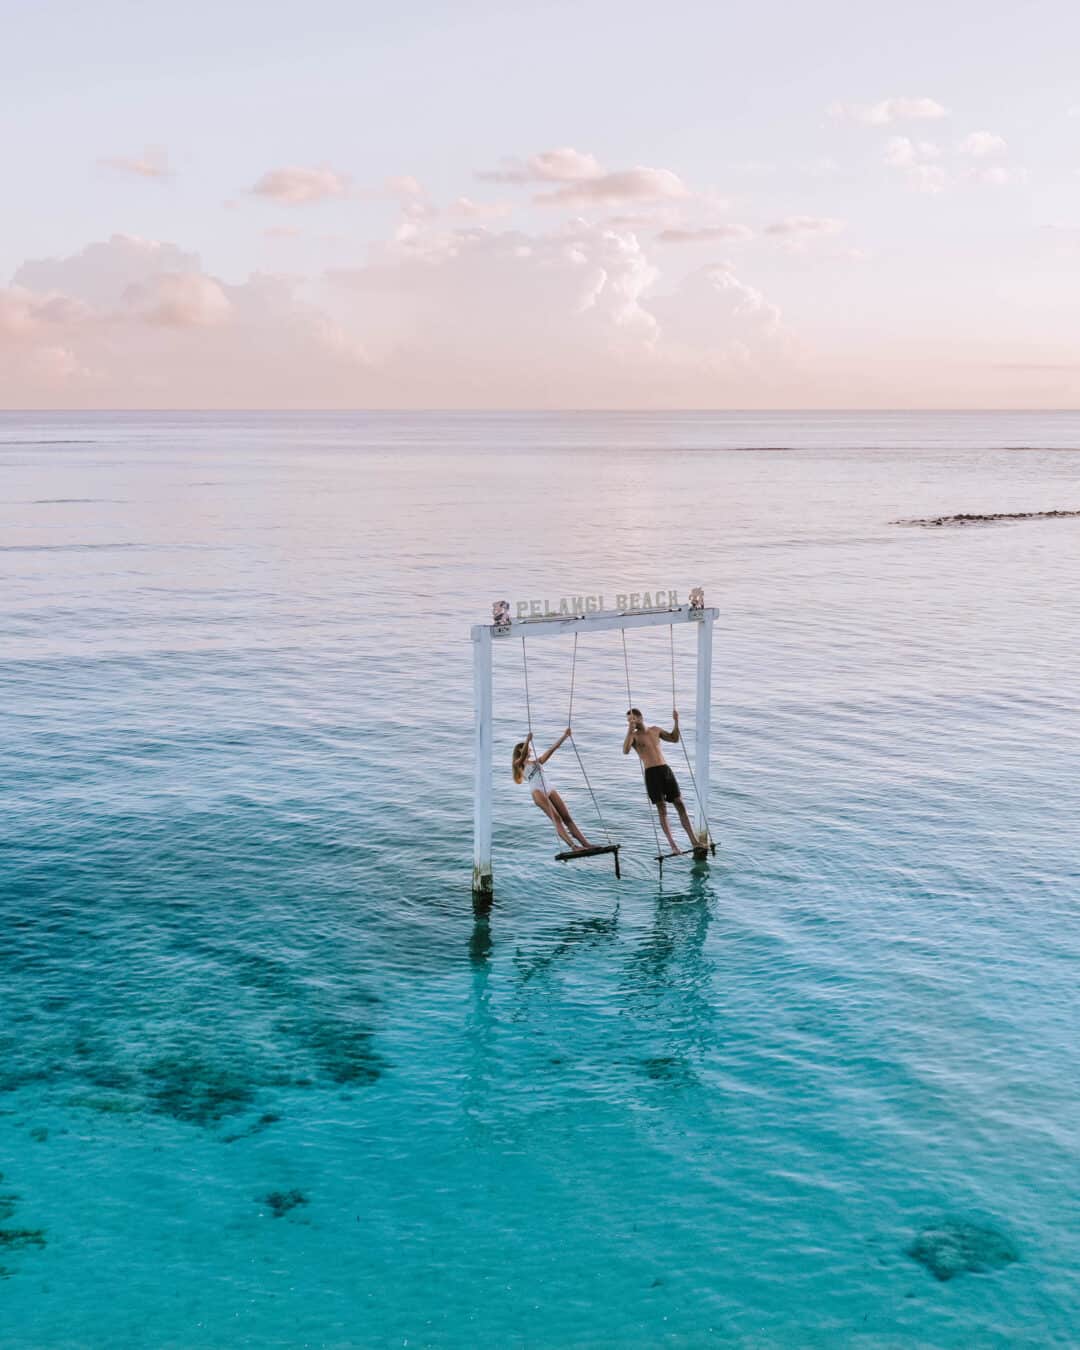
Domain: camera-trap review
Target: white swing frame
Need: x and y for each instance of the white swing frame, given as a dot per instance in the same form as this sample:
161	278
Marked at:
486	636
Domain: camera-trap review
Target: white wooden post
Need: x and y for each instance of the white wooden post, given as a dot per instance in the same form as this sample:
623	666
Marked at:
703	722
482	879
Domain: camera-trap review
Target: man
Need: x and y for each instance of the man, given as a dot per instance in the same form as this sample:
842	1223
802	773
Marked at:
660	783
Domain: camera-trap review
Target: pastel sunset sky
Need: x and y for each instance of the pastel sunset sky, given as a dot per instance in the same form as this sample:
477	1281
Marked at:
586	205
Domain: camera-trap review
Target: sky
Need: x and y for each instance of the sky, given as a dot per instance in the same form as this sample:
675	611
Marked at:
587	205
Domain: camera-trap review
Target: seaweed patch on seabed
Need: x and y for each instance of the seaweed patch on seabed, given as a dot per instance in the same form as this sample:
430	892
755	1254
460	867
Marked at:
280	1203
15	1239
342	1048
956	1247
196	1092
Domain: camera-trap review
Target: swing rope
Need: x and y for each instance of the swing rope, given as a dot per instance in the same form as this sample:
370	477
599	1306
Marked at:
641	766
577	752
682	740
525	664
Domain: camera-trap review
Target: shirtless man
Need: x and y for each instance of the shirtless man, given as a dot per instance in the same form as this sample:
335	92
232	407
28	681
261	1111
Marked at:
660	783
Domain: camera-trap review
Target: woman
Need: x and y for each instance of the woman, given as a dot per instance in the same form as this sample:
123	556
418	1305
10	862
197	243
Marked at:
529	770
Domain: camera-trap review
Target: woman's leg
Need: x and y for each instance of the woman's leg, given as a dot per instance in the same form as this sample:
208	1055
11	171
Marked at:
543	802
567	818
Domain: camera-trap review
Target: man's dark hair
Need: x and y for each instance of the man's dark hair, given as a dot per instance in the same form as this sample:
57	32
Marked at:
636	712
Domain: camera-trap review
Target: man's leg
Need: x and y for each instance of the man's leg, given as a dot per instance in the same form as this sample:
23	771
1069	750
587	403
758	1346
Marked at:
661	809
686	821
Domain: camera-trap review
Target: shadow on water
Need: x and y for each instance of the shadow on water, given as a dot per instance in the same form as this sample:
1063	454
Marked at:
578	934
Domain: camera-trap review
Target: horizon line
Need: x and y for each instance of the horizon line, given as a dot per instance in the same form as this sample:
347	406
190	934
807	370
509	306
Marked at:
530	412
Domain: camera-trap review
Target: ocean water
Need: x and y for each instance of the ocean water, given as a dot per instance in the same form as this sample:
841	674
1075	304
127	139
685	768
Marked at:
268	1078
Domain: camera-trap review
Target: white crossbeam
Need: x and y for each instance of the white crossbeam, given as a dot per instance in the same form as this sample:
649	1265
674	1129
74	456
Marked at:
557	625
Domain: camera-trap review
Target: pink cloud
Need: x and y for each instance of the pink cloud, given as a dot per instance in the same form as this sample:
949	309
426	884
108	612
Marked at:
152	163
888	110
803	225
101	272
404	186
298	186
468	209
980	144
916	160
709	234
615	189
716	318
181	300
995	175
161	337
564	165
26	316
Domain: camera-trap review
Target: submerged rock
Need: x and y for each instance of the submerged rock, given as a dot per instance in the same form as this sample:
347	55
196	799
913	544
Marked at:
965	519
955	1247
280	1202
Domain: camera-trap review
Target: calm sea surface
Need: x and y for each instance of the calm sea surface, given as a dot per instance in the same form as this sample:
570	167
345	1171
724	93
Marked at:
267	1080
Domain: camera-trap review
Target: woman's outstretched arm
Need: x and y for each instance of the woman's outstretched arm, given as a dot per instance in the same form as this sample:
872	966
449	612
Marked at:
548	753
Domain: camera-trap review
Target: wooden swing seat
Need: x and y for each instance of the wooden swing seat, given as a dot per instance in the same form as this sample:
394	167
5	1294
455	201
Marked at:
699	855
575	855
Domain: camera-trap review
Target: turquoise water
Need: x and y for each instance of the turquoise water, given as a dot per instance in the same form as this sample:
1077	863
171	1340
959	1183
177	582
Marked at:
267	1079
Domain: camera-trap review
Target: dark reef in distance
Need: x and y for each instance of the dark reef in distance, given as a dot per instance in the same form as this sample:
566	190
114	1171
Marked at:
935	521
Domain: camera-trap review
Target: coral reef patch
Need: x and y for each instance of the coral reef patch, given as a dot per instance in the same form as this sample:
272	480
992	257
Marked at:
197	1092
280	1203
956	1247
342	1047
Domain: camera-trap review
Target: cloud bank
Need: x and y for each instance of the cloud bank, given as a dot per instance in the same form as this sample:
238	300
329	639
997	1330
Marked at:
458	317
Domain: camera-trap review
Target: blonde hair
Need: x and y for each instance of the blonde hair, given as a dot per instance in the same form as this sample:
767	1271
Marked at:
517	764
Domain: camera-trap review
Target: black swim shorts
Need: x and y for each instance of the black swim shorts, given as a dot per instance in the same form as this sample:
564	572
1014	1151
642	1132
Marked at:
661	784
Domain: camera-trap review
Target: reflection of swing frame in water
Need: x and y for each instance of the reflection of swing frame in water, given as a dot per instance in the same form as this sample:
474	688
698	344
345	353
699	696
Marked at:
485	636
